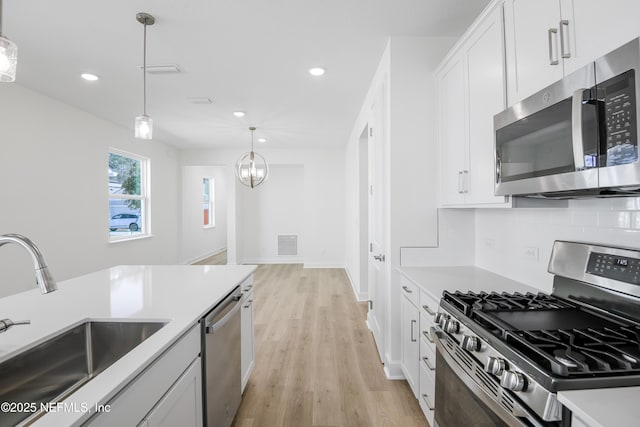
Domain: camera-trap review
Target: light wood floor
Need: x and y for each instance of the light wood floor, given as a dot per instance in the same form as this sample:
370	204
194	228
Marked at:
316	362
217	259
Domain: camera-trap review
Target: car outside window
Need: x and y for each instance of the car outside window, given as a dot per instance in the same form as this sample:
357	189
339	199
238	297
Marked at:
128	196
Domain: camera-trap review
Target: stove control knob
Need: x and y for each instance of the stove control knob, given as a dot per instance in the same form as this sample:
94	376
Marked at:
495	365
440	318
452	326
470	343
514	381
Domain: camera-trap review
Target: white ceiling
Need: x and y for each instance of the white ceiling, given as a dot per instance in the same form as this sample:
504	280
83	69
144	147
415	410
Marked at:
250	55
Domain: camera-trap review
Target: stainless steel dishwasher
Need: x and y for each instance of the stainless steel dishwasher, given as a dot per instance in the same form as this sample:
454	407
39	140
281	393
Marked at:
221	361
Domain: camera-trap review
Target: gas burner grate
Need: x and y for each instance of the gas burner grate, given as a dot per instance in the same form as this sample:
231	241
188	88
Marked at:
467	302
581	352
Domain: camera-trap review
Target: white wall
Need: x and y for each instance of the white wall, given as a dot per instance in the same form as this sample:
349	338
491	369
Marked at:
199	242
323	201
54	189
274	208
505	237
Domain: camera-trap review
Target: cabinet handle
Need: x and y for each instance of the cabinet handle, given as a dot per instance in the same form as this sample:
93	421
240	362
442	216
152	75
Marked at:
426	362
407	290
424	397
427	336
248	303
553	33
466	181
428	310
564	53
413	322
459	182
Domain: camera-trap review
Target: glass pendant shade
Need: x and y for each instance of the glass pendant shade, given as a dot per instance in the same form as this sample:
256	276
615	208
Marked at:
252	169
144	127
8	60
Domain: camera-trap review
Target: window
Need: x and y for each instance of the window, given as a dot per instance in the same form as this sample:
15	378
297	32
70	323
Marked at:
208	205
128	196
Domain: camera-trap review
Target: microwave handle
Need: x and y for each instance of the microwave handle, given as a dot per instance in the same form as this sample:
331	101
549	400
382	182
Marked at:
576	129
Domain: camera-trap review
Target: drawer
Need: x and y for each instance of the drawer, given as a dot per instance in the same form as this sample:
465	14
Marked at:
426	322
428	305
247	284
427	391
411	290
428	352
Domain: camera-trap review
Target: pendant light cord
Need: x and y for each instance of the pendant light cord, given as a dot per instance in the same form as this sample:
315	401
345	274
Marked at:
0	17
144	71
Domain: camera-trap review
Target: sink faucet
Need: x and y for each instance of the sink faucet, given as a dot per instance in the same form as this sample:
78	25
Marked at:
43	277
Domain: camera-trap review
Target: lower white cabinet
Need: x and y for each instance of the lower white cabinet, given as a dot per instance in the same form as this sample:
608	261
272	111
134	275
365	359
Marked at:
169	389
247	345
182	405
410	330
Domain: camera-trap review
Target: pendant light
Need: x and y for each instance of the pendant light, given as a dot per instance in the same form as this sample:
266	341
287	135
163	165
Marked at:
251	168
8	56
144	123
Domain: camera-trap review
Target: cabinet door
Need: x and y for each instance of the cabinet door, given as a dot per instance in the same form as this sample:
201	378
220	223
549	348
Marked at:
595	28
182	405
527	35
484	72
410	343
451	126
248	351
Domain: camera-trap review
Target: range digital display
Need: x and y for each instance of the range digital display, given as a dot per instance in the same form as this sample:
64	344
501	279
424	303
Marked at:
619	268
623	262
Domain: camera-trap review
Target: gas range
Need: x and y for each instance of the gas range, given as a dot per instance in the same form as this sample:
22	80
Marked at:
519	349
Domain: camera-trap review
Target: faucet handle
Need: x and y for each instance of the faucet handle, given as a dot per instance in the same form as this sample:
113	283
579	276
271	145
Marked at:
5	324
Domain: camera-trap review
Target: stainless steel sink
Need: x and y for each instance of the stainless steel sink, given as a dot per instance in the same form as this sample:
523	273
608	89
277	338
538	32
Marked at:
52	370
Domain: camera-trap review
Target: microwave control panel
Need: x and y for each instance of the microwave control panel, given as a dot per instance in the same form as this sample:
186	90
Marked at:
622	269
620	113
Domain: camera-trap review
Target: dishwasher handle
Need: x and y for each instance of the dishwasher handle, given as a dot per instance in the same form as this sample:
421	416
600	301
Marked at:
214	326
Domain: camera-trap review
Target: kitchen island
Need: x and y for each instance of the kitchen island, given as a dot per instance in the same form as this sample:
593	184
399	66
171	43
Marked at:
177	295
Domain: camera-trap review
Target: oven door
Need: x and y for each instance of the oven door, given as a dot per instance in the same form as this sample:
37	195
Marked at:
467	396
549	142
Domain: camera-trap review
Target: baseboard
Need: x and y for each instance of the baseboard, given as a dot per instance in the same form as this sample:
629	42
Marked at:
393	370
322	265
270	261
204	256
360	296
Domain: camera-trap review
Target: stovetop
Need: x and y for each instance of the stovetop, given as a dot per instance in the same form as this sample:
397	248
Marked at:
561	338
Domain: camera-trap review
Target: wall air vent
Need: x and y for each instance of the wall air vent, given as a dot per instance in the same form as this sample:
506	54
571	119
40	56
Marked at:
162	69
287	244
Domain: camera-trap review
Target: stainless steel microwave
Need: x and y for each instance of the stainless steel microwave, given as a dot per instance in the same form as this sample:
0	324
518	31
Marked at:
577	137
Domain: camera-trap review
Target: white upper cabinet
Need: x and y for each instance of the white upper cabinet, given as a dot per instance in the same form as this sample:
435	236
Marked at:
451	125
532	40
471	85
548	39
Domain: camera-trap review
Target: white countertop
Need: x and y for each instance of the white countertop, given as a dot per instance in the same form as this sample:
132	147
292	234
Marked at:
435	280
611	407
180	295
608	407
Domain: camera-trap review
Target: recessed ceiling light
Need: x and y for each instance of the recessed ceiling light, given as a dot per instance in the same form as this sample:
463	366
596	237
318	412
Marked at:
89	77
238	113
317	71
262	139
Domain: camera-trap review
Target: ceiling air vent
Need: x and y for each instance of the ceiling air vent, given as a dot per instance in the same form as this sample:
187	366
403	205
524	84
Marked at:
287	244
162	69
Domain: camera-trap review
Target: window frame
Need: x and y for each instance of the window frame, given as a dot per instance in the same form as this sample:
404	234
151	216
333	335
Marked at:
211	202
144	197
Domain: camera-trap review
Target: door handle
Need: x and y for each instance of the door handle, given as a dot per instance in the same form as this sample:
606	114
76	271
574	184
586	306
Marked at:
576	129
379	257
564	24
553	33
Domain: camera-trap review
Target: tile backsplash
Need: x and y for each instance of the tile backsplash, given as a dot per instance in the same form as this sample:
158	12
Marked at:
517	242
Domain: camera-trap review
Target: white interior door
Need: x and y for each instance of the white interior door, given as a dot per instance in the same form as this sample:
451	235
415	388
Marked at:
376	222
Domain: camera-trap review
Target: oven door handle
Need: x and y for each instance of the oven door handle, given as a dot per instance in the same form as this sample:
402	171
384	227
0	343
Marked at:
514	419
576	129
